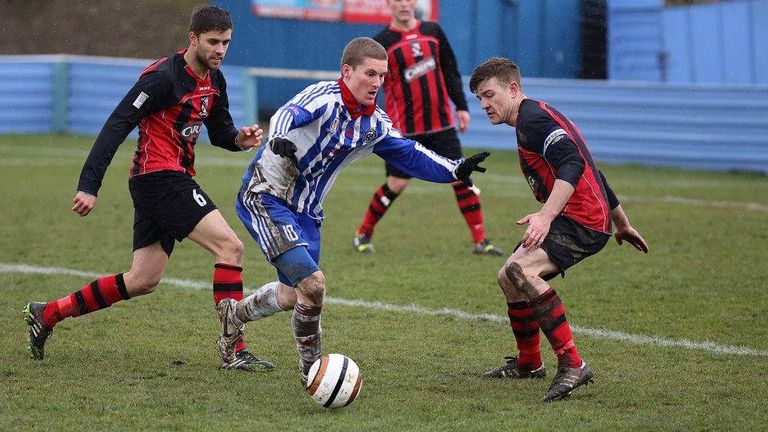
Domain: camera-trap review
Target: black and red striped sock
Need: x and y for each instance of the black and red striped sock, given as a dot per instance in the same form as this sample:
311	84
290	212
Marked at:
99	294
526	331
228	283
469	204
550	313
382	199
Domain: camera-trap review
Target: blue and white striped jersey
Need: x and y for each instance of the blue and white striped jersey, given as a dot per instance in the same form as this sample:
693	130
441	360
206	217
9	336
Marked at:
328	138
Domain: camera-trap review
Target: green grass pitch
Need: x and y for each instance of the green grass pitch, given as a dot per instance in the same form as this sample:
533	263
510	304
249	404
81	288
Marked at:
678	338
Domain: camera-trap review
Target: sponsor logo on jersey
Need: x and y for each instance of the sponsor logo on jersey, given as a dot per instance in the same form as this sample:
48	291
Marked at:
140	99
420	69
416	49
191	131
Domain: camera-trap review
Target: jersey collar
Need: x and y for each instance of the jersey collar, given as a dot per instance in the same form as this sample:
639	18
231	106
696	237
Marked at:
355	109
190	72
399	30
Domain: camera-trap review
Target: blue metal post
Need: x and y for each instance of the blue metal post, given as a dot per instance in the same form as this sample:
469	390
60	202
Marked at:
251	98
60	95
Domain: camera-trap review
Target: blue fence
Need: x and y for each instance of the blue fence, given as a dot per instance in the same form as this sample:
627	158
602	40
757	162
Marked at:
76	94
28	89
724	42
692	126
707	127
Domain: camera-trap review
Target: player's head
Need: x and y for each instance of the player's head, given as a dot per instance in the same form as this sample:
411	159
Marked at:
363	67
210	30
403	11
496	83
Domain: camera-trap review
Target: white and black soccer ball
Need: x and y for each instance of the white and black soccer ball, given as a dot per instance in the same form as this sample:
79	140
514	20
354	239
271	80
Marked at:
334	381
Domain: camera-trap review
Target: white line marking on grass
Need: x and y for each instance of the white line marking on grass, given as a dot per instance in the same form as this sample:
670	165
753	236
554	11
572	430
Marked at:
420	310
719	204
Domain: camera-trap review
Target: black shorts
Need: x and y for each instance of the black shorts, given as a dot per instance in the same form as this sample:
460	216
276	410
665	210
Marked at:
445	143
167	207
568	242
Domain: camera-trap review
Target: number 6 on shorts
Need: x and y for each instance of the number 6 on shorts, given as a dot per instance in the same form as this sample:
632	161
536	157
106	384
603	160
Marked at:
199	198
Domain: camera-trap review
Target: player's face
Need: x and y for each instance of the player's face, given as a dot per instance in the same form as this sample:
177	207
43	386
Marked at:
402	10
365	79
210	47
497	100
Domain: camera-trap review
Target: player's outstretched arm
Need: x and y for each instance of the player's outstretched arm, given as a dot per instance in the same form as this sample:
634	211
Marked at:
84	203
249	137
625	232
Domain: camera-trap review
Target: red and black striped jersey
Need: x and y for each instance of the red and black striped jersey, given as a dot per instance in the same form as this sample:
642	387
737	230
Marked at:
546	139
169	104
422	76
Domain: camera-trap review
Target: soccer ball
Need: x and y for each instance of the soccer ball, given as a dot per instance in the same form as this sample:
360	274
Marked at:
334	381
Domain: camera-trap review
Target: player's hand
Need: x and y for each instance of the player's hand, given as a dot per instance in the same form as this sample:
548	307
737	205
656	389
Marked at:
471	164
463	117
249	137
84	203
285	148
538	228
630	235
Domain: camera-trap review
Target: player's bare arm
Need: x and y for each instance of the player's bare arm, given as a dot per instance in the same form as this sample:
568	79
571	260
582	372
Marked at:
539	223
624	231
84	203
249	137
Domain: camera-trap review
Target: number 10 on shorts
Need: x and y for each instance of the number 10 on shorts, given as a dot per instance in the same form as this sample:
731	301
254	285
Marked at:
290	233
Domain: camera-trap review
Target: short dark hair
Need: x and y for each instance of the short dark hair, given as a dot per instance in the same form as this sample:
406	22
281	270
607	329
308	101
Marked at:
207	18
359	49
504	70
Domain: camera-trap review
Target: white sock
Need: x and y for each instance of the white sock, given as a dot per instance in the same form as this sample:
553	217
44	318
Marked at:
260	304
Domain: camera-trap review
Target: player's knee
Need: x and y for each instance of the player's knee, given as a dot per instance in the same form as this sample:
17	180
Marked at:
142	286
313	288
396	184
514	273
501	277
233	250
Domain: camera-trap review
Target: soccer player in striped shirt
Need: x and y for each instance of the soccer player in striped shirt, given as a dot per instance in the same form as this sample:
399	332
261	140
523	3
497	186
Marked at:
422	81
172	100
574	223
312	138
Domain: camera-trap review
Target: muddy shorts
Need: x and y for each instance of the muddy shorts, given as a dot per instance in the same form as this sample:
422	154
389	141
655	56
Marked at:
568	242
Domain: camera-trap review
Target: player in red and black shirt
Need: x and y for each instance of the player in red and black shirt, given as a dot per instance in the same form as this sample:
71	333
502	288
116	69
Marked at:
422	81
573	224
173	98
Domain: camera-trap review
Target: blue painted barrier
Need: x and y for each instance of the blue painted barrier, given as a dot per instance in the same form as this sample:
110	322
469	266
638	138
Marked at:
706	127
693	126
722	42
